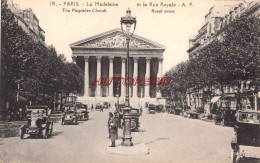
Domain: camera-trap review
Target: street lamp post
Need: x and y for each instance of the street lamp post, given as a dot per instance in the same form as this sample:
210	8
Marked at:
127	21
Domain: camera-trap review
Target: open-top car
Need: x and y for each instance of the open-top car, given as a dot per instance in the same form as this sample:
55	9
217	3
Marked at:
82	112
38	122
247	133
70	115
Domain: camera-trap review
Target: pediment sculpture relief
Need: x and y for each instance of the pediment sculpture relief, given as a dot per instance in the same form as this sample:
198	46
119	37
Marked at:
117	40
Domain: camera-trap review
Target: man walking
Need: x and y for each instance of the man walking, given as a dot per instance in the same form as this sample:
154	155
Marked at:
110	119
113	131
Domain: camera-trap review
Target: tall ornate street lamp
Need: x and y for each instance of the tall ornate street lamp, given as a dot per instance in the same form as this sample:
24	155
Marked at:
126	24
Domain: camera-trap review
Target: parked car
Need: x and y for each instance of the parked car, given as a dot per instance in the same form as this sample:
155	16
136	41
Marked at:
82	112
225	116
99	106
159	108
69	117
151	108
38	122
79	104
106	105
247	129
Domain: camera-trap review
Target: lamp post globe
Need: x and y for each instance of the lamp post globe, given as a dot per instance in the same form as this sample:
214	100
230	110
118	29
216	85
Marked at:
126	25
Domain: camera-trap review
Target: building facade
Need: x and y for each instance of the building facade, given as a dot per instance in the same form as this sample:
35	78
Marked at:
28	21
104	57
212	29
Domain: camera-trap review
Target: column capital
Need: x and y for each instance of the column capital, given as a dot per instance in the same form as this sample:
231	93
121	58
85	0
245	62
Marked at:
86	58
74	58
160	59
123	59
98	58
148	59
136	59
111	59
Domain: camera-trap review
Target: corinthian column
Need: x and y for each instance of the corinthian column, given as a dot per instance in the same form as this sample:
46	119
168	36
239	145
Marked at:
98	76
160	73
135	87
160	67
111	59
147	75
86	77
123	76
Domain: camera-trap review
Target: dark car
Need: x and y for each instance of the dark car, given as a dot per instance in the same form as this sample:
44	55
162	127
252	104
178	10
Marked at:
247	129
38	122
159	108
225	116
152	108
106	105
82	112
99	106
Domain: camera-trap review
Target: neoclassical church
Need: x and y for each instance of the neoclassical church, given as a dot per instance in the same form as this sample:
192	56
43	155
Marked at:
104	55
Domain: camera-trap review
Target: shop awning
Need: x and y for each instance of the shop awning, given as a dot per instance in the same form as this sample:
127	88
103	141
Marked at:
215	99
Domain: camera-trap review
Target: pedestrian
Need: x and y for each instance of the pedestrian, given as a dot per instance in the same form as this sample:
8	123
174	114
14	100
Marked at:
101	109
113	132
116	119
110	119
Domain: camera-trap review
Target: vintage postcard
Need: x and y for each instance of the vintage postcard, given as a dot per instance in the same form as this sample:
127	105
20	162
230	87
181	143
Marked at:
130	81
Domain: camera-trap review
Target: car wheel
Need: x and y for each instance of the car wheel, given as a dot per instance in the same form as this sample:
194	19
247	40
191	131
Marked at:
45	133
233	156
21	133
222	123
51	129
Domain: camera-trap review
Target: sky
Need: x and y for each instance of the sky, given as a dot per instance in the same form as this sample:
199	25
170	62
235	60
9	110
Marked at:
172	30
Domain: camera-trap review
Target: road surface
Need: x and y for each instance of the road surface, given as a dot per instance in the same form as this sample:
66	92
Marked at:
169	138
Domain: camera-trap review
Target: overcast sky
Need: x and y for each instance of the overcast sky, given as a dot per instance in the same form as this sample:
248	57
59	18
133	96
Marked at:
169	29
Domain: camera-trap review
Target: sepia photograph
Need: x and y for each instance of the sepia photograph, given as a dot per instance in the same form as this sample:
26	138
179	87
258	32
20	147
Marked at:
130	81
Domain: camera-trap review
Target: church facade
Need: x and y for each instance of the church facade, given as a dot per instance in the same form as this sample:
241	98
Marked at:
104	57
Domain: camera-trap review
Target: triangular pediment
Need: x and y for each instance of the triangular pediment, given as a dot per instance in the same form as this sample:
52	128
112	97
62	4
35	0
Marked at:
116	39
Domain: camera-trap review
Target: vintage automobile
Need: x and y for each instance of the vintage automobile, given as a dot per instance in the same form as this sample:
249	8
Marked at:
159	108
152	108
69	117
79	104
82	112
38	122
99	106
106	105
225	116
247	133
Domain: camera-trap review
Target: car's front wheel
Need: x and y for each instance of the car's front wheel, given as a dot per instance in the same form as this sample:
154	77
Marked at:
51	130
45	133
21	133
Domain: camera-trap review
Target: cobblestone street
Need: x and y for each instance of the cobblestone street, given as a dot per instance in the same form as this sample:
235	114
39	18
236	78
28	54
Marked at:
169	137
